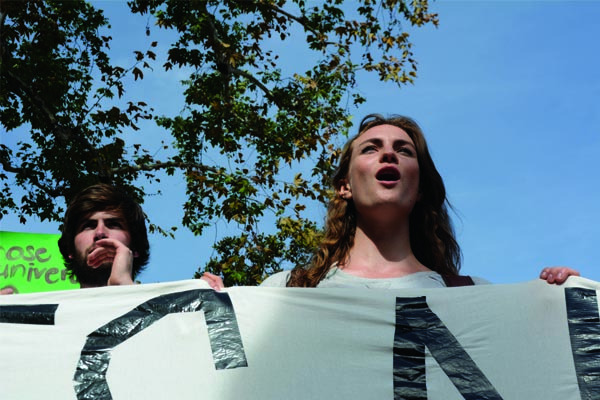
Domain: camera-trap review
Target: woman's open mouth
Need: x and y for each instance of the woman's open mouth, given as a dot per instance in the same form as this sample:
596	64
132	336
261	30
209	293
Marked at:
388	175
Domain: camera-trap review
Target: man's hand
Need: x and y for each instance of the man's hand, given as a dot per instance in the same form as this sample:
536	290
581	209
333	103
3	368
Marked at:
6	291
120	256
558	275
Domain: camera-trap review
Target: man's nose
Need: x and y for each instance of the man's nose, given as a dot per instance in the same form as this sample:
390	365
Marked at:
100	232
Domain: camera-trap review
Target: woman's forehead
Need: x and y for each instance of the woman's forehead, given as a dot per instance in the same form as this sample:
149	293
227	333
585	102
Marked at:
384	132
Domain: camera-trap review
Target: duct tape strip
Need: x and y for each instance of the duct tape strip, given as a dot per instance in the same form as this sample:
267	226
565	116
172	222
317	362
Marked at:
223	332
35	314
418	327
584	329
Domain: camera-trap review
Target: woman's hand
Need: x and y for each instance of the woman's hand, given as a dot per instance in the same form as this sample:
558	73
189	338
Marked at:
558	275
214	281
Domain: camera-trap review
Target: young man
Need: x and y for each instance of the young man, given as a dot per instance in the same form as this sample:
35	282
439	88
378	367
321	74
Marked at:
104	239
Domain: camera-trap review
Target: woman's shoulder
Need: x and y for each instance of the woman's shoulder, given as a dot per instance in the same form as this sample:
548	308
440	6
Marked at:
426	279
338	278
278	279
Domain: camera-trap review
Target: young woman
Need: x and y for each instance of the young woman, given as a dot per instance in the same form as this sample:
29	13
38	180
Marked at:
387	225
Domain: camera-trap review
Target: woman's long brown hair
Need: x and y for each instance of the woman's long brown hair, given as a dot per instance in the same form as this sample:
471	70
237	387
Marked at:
431	233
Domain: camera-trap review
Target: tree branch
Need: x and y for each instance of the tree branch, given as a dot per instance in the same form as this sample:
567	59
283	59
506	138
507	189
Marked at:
36	100
61	133
163	165
222	62
301	20
2	19
33	179
251	77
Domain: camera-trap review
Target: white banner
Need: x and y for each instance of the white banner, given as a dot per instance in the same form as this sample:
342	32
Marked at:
181	340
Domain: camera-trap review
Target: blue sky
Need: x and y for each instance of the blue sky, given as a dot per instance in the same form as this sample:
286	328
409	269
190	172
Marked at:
508	95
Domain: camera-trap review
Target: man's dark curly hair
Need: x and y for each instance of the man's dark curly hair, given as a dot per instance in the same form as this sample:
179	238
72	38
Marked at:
99	198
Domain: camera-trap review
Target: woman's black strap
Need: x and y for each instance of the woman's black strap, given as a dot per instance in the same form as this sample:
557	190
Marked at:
458	280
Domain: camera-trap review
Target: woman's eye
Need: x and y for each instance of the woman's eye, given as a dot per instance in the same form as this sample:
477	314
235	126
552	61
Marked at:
369	149
406	150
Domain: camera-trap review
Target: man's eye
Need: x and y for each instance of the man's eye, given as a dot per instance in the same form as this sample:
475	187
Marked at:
87	225
114	225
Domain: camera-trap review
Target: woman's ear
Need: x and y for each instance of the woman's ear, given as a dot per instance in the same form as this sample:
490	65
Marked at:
345	191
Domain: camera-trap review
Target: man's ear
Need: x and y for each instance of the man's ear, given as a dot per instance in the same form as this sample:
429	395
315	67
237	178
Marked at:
135	254
70	256
345	191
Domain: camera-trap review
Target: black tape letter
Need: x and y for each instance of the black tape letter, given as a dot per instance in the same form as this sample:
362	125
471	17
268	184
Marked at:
584	330
418	327
35	314
223	332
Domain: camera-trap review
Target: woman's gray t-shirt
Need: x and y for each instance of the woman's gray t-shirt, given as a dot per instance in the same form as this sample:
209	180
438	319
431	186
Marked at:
337	278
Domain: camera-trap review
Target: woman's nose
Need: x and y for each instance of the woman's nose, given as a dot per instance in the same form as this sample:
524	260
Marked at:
389	156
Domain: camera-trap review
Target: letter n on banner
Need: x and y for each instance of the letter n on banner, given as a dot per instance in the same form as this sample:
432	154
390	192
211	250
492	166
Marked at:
223	332
418	327
584	330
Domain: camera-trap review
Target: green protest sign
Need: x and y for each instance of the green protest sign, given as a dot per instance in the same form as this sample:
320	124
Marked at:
31	262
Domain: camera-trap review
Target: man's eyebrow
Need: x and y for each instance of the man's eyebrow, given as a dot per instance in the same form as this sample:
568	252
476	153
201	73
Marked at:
83	222
115	219
109	219
86	219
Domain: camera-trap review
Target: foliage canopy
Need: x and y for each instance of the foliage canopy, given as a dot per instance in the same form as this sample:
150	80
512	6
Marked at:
242	102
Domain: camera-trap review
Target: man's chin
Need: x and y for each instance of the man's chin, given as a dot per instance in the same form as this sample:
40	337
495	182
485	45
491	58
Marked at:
106	265
89	276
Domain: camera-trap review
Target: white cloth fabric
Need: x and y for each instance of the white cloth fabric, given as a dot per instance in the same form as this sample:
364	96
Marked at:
299	343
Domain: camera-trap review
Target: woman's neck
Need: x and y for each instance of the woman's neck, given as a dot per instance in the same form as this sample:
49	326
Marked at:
382	253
